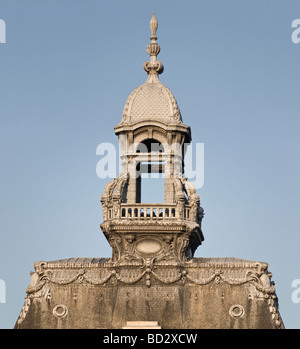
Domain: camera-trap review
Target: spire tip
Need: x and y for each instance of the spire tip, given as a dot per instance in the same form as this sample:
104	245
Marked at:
154	67
153	27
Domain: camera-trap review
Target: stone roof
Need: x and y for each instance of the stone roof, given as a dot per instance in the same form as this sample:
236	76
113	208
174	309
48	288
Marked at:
230	262
151	101
80	260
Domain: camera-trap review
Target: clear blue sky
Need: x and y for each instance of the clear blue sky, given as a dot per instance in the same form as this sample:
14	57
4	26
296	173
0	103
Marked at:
67	68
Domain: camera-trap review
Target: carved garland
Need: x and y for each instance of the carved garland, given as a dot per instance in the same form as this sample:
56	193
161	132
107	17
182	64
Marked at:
132	276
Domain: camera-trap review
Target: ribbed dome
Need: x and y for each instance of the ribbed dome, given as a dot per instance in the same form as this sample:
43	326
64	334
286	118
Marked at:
151	101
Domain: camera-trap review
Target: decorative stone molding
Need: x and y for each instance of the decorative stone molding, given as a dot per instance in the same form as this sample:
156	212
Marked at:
65	274
153	50
236	311
23	312
183	217
60	311
154	270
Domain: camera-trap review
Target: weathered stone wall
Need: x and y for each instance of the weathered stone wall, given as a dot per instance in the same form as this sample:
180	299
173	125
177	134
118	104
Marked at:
194	296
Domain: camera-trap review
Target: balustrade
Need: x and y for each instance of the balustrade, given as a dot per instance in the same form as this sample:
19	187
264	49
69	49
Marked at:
149	211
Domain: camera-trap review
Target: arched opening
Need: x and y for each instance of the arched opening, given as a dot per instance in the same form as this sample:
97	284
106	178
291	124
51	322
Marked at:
150	183
150	145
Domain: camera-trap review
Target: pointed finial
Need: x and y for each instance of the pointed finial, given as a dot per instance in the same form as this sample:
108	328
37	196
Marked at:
154	67
153	27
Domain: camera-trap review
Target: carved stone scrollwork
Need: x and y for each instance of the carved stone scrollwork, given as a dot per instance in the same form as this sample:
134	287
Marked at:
179	194
194	201
128	254
156	67
183	242
115	242
116	207
273	307
112	197
38	278
168	252
195	204
109	188
24	312
120	183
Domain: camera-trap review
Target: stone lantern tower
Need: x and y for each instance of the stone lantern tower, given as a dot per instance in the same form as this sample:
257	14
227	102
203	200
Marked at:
152	280
152	139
